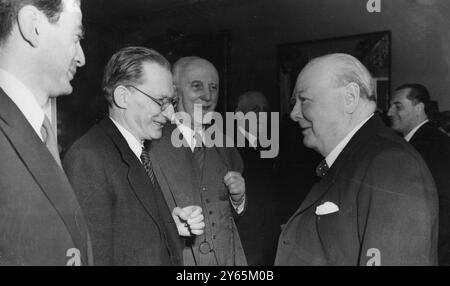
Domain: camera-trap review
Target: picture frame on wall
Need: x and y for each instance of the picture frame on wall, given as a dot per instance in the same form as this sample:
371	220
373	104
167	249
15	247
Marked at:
372	49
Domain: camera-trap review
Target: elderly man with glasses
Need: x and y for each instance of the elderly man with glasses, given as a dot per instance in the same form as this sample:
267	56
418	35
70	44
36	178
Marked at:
127	215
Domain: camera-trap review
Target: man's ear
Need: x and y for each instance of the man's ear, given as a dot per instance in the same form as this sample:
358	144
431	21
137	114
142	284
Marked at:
420	107
351	97
29	20
120	96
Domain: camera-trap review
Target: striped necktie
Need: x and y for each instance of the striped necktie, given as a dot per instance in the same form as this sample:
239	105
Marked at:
49	139
145	157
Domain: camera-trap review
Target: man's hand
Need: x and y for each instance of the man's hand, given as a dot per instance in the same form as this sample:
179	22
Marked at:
189	220
235	184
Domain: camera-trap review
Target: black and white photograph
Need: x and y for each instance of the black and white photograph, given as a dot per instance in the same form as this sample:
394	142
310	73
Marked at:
245	135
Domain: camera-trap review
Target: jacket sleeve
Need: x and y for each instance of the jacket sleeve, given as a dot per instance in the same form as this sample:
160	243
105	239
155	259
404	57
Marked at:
397	212
86	174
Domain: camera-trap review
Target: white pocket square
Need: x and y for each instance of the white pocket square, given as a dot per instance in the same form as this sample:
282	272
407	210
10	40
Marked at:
327	208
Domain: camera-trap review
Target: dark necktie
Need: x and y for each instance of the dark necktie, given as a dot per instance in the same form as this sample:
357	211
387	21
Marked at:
49	139
199	152
145	157
322	168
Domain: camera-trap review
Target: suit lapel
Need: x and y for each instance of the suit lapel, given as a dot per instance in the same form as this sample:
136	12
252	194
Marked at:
173	176
136	176
48	175
319	190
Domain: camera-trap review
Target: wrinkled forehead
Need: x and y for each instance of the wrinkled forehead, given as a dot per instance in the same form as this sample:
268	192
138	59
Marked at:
201	70
319	74
72	6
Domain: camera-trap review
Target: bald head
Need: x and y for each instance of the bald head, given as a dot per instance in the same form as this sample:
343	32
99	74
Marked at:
183	65
252	101
196	82
334	93
342	69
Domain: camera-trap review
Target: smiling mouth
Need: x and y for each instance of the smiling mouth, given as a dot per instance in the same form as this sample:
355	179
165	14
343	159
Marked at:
72	74
158	124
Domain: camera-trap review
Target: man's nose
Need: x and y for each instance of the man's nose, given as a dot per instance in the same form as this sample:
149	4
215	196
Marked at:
296	112
169	113
390	111
80	58
206	96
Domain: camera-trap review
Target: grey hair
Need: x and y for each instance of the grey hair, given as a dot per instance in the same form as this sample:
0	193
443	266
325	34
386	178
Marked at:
350	69
180	65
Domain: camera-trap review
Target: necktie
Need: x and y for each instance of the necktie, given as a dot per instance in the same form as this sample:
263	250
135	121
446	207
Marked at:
145	157
49	139
199	152
322	168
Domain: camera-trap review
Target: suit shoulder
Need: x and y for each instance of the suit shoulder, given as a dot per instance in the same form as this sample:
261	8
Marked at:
91	145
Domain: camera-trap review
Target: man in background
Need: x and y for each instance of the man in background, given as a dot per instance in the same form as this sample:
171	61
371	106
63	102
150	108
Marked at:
40	52
410	116
258	228
199	175
376	203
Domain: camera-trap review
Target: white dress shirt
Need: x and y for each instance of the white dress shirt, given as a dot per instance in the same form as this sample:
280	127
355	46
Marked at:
189	136
134	144
339	147
412	132
24	99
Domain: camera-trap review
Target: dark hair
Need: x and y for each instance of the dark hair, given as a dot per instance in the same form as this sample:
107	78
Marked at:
418	94
9	9
125	67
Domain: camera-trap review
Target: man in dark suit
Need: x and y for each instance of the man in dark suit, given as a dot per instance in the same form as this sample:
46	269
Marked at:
129	220
376	203
409	114
259	227
40	219
200	174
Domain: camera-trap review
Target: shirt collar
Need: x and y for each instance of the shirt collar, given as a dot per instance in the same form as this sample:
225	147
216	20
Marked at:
252	139
24	99
134	144
339	147
412	132
188	134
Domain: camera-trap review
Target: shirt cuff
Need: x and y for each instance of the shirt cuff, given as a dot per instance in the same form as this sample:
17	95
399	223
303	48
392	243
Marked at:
239	206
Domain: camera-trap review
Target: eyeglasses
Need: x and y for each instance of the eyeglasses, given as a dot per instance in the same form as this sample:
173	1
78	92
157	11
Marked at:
163	103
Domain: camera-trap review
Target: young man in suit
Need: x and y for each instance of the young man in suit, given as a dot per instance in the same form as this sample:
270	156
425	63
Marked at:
409	114
129	220
196	174
376	203
40	219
